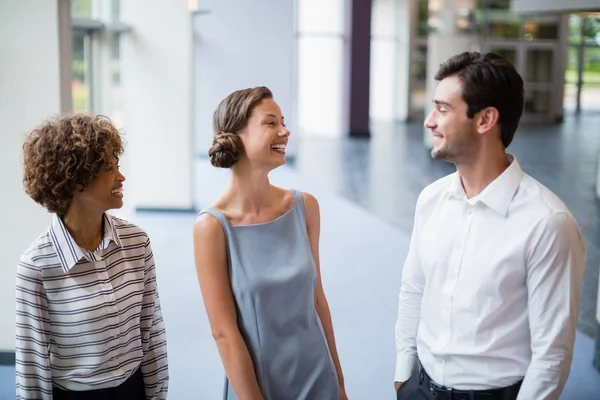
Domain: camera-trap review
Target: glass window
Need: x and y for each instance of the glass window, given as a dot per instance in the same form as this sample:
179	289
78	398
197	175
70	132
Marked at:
540	28
81	80
537	101
574	28
539	66
423	17
81	8
419	62
590	91
504	29
495	4
115	10
572	62
591	65
508	54
115	90
591	30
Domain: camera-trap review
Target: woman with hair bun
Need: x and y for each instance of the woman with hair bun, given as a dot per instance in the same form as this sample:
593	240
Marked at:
256	251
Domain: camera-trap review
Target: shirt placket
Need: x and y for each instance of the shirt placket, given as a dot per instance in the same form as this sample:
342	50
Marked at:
110	301
451	283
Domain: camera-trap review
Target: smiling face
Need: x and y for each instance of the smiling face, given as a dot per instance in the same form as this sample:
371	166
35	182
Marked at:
454	134
105	191
266	135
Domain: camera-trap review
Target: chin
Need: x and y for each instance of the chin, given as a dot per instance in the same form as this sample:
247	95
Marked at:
439	154
116	205
279	162
277	165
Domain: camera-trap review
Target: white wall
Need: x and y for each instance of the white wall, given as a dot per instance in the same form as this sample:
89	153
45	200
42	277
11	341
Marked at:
390	59
157	85
554	5
322	38
240	44
29	92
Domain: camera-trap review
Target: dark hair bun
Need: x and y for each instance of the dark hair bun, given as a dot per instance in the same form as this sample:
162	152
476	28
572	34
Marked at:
226	149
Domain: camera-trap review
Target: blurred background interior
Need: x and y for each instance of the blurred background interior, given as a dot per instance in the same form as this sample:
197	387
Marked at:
354	79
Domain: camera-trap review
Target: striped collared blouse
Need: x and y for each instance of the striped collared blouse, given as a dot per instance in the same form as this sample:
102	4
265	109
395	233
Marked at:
87	320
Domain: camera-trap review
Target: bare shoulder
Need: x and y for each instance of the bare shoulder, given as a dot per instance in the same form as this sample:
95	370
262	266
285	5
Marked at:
310	203
313	213
209	241
207	226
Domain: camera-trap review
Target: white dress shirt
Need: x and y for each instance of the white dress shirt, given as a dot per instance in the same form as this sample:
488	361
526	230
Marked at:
491	286
88	320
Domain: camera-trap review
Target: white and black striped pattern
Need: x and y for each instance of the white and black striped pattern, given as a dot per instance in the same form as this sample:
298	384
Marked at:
87	320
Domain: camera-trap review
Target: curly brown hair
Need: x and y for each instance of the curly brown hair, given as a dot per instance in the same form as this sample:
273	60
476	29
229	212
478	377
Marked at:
64	154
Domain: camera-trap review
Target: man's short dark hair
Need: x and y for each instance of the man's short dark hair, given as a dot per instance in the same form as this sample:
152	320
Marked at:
488	80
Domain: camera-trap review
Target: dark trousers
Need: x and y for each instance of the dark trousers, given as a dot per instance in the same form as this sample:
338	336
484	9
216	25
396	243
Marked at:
420	387
131	389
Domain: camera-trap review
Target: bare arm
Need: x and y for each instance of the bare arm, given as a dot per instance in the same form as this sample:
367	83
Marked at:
210	255
313	225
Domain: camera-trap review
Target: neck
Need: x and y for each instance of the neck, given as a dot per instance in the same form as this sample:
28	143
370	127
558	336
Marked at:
478	173
249	188
84	226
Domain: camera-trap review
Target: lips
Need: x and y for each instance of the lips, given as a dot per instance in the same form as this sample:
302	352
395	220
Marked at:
279	147
117	192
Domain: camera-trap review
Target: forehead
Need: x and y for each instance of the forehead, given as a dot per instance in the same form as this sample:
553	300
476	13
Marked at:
110	159
267	106
449	90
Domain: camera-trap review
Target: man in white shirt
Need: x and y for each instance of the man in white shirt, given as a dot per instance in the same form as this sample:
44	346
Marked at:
491	284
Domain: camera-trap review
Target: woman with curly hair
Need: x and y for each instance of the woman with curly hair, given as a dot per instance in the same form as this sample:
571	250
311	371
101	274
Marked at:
89	323
257	261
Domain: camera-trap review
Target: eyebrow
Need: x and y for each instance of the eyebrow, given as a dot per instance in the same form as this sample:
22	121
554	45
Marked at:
442	103
274	116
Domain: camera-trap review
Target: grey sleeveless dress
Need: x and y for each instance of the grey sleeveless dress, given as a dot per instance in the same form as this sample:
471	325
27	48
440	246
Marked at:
273	275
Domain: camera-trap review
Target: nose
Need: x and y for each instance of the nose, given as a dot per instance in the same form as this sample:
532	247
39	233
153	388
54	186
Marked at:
285	132
429	121
121	177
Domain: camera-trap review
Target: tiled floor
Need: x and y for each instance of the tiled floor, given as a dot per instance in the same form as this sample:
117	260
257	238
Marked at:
386	173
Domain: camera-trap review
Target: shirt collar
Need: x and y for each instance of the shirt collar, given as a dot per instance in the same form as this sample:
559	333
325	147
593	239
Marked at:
69	253
110	232
499	193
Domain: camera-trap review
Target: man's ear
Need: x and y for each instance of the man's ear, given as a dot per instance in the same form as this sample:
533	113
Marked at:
487	119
